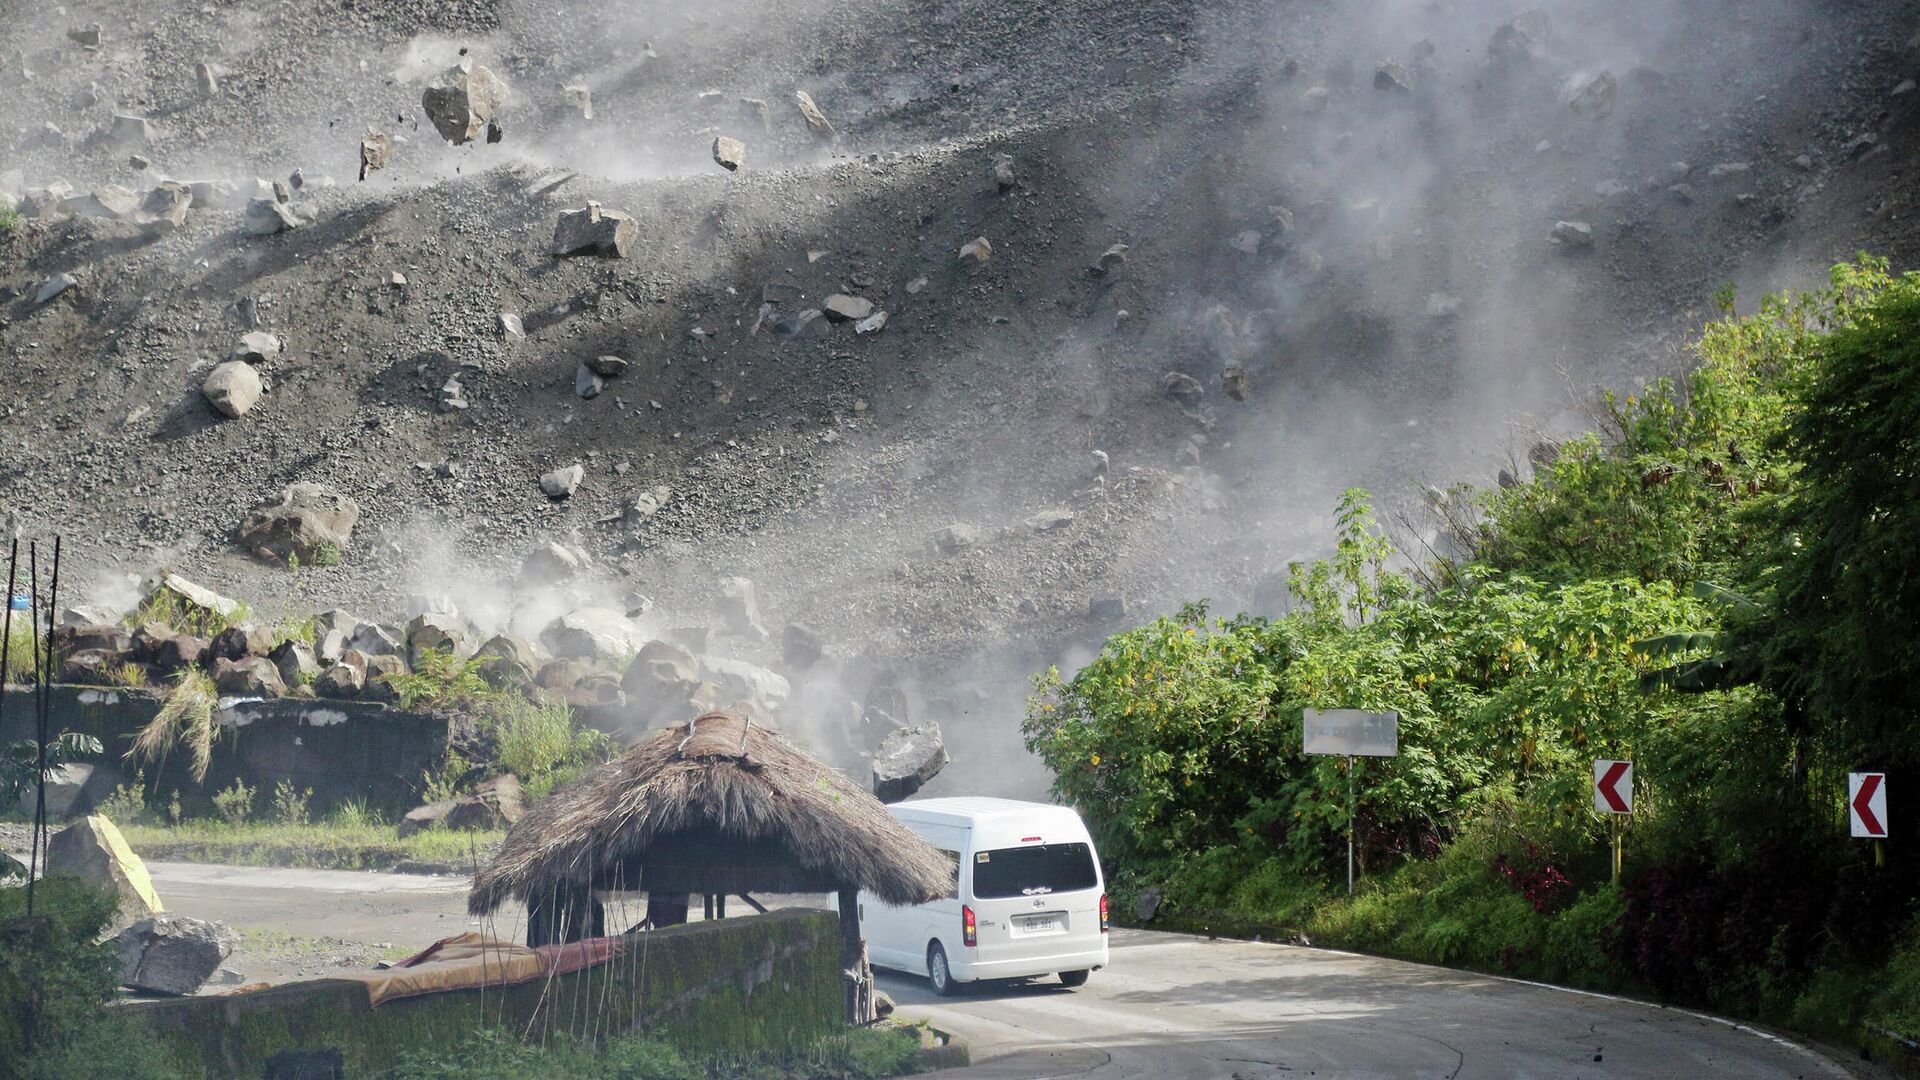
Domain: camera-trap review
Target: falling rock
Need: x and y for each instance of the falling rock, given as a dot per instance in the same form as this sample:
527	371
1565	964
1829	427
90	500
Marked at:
1728	168
1110	259
510	326
1107	606
373	639
376	151
53	287
92	849
587	383
1393	77
1572	235
1593	97
976	251
1182	387
562	482
452	395
1520	39
579	96
1003	174
464	103
1050	520
660	671
493	804
130	132
1246	241
754	111
816	120
206	80
956	538
1442	305
1314	99
342	681
592	230
165	207
739	680
639	509
1234	381
801	647
608	366
728	153
551	563
240	641
299	521
739	606
257	347
195	597
252	677
906	759
601	636
172	954
264	217
233	388
1146	903
87	37
110	201
840	307
67	790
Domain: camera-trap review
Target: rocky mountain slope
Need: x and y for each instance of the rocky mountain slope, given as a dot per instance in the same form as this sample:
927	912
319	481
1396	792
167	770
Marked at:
1341	226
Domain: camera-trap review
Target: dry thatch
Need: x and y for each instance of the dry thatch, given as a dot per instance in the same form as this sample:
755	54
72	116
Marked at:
718	806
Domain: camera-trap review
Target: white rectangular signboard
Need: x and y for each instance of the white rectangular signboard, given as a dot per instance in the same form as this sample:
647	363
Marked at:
1351	732
1867	804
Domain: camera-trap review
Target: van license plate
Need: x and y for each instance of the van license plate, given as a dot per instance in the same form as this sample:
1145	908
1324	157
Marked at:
1053	922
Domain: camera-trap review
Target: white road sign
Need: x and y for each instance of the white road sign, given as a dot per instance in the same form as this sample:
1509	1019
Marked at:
1351	732
1867	804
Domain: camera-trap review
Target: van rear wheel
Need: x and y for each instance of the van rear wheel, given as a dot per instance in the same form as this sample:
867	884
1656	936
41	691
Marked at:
938	973
1075	978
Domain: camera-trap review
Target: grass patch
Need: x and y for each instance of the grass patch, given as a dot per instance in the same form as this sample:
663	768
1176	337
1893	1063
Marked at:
330	846
856	1054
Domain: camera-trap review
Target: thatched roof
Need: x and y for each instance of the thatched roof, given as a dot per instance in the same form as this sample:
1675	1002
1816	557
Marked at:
719	806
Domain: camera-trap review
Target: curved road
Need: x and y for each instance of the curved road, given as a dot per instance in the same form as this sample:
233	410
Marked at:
1177	1006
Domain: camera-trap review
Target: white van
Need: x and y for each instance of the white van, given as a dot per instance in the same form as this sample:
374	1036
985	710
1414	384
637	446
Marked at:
1030	901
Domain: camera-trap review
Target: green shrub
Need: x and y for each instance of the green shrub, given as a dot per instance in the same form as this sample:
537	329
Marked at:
325	553
540	742
9	221
185	719
113	1047
290	803
55	978
1896	1004
355	814
235	803
439	679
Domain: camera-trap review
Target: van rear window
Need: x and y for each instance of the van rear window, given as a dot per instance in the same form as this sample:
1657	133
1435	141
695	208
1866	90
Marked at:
1033	871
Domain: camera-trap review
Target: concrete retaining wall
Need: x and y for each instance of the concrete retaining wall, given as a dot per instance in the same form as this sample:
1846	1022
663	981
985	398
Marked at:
733	986
340	749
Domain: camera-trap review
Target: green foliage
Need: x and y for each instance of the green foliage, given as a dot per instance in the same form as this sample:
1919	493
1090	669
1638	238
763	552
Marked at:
441	680
290	803
1896	1001
165	607
492	1054
9	221
332	845
235	803
114	1046
127	803
325	553
354	814
55	978
19	762
540	743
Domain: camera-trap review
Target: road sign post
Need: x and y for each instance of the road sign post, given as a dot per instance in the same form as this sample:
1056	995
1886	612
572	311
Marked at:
1867	810
1613	796
1350	733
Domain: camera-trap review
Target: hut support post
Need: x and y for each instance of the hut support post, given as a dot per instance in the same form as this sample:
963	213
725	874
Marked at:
853	956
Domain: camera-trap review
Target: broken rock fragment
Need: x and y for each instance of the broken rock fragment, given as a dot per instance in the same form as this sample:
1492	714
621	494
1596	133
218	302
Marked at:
1393	77
580	97
592	230
608	366
729	154
257	347
810	112
976	251
1234	381
562	482
233	388
165	207
587	383
265	217
907	758
464	103
206	80
53	287
131	132
1592	98
1182	387
1003	174
1572	235
172	954
376	151
1110	259
299	521
841	307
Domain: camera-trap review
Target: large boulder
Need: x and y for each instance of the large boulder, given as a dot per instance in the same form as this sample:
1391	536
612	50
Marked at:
592	230
660	671
105	637
464	103
374	639
72	789
439	631
296	662
254	676
739	680
299	521
342	681
91	849
602	636
193	597
512	661
801	647
176	653
740	606
172	954
233	388
240	641
88	667
380	670
552	562
908	757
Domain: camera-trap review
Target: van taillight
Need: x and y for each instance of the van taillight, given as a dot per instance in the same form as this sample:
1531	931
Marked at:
969	928
1105	919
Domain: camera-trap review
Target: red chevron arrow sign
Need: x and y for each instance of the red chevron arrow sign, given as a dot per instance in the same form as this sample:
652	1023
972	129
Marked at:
1613	787
1867	804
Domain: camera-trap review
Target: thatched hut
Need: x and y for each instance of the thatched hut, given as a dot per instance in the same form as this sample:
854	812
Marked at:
718	806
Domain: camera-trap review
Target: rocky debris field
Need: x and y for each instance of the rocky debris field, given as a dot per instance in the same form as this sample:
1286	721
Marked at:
960	353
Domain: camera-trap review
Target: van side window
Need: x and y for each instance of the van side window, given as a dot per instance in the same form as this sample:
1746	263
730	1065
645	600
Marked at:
953	891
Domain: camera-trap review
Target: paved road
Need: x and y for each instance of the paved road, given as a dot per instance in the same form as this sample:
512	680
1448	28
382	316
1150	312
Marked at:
1186	1007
